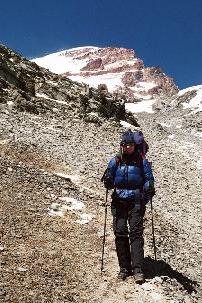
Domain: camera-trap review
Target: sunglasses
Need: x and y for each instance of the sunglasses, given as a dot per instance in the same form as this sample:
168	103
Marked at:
128	144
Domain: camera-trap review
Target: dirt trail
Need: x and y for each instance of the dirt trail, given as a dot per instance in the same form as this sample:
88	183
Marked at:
55	259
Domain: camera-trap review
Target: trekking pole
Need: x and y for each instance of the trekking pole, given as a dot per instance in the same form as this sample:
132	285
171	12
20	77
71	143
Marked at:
103	243
153	235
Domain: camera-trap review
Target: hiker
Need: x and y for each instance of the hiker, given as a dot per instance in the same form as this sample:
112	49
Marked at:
130	176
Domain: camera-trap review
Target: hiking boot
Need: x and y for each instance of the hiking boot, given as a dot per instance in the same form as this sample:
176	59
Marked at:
138	276
130	272
123	274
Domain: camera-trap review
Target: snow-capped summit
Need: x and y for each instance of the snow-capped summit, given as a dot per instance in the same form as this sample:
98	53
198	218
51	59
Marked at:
63	61
118	68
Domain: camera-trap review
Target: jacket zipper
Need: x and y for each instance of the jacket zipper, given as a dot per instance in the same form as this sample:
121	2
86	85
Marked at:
126	177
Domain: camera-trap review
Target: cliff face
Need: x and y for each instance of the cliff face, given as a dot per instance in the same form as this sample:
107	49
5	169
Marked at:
119	68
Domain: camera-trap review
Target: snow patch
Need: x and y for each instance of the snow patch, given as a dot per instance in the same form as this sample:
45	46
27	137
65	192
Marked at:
72	204
112	80
84	218
156	296
122	63
147	286
57	209
126	124
81	48
60	63
188	89
139	95
164	124
195	102
142	106
142	86
46	97
10	103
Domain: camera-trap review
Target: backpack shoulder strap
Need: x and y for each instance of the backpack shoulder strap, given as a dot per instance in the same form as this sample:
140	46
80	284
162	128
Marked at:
118	160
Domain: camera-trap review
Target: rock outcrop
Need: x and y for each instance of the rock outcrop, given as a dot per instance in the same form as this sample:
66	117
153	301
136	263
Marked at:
26	86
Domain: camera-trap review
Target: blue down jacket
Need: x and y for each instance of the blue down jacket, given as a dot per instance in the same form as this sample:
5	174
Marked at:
129	179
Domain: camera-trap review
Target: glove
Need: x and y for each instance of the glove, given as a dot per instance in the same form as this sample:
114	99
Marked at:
108	182
149	189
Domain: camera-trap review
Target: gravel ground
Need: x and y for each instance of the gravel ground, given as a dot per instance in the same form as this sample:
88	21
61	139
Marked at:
55	259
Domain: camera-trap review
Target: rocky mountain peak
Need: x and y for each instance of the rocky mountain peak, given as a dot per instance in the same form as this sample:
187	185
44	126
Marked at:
119	68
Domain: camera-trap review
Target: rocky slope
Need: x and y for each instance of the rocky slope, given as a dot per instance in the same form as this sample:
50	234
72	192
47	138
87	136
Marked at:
52	202
119	69
27	87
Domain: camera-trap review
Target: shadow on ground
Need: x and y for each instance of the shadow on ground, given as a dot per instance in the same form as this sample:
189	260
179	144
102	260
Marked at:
154	268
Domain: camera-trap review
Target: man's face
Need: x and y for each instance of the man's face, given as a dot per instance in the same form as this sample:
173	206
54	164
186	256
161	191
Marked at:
128	148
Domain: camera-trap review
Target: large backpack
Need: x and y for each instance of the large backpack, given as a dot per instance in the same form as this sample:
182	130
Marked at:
142	145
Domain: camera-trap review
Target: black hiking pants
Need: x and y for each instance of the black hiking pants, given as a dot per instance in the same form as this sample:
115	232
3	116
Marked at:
128	230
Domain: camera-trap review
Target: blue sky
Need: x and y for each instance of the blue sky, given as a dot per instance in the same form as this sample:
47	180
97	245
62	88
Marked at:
165	33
